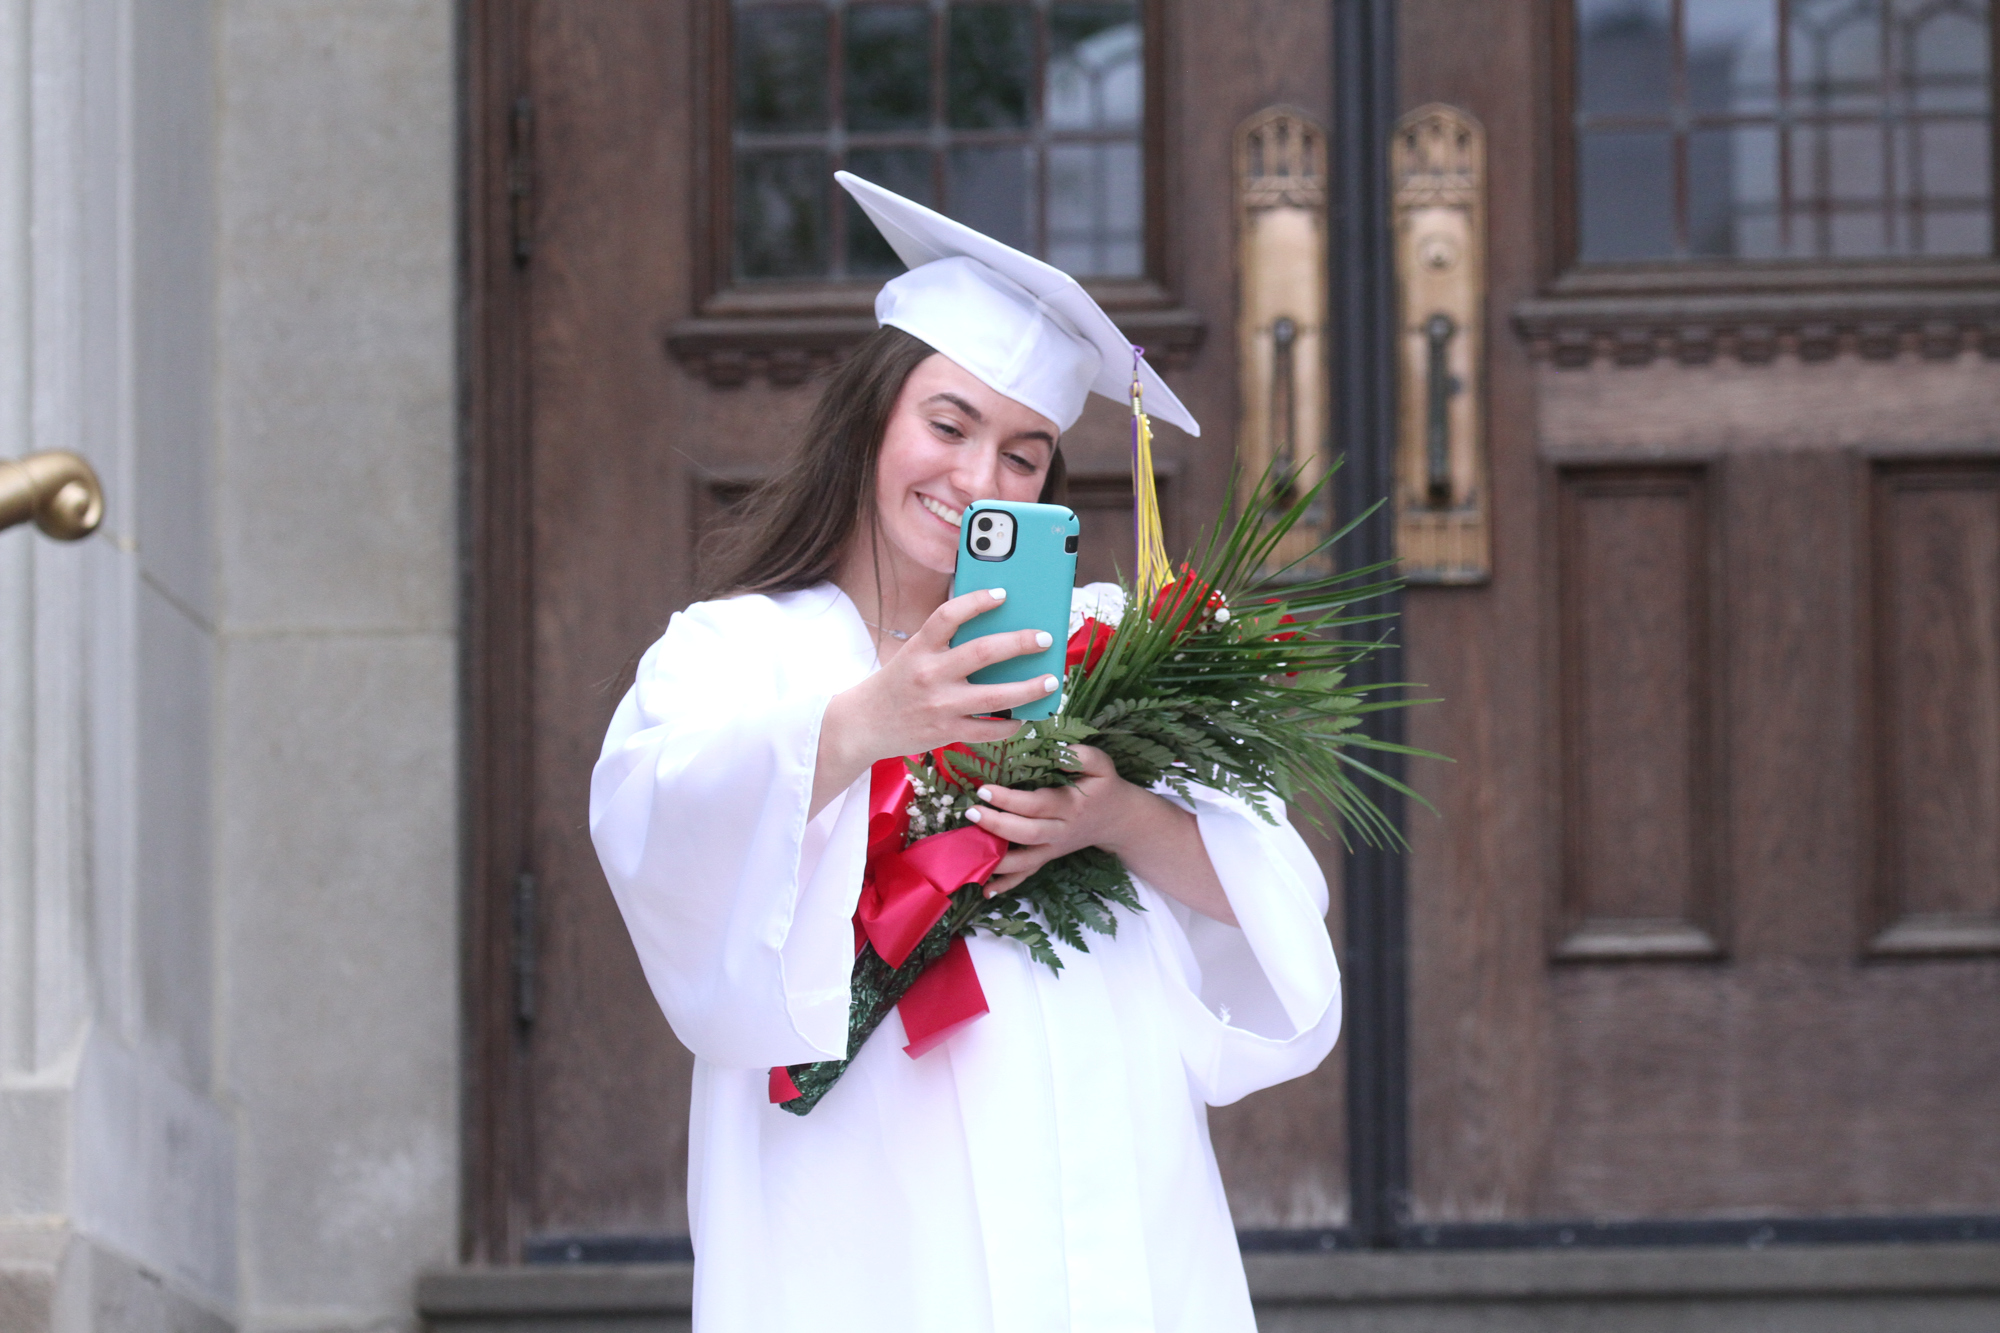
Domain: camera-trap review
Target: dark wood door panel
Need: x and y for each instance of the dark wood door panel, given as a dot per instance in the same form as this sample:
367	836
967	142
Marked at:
1773	1087
1936	706
1642	850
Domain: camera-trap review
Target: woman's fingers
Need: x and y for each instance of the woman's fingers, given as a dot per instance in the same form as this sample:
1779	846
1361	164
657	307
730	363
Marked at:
945	621
1014	867
988	649
1018	829
1093	762
1043	803
993	698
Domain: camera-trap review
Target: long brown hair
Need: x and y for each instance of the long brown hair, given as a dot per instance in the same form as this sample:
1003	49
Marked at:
795	527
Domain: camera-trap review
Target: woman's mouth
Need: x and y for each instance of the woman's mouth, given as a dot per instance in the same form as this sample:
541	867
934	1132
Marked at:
942	510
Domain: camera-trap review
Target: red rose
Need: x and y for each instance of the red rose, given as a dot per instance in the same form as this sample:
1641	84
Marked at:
1184	599
1280	638
1087	645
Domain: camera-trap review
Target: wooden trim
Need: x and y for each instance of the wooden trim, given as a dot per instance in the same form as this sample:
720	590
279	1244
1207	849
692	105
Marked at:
1936	321
1159	159
494	624
714	208
1561	83
731	349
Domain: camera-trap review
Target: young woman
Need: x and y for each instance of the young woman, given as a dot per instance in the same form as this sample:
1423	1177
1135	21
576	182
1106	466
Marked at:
1048	1166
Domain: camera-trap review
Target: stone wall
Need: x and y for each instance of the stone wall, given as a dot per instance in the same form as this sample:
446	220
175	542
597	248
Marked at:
228	996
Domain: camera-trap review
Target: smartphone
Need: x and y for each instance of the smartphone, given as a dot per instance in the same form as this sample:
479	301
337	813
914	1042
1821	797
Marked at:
1030	550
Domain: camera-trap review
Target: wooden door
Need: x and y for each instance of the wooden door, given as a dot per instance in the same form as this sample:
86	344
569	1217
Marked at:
642	352
1705	930
1705	937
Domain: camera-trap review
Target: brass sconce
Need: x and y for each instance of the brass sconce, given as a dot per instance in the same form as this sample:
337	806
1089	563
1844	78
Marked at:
58	490
1281	318
1437	167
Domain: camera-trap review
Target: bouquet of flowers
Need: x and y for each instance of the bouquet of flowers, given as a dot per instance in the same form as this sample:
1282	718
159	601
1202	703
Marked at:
1229	676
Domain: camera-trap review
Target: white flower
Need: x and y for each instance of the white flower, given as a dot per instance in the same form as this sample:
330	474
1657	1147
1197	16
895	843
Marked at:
1222	615
1102	602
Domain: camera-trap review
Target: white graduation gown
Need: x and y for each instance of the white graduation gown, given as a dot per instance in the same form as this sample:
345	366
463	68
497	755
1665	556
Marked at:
1048	1167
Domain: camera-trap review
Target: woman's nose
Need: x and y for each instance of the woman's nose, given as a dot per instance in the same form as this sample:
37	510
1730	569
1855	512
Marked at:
978	472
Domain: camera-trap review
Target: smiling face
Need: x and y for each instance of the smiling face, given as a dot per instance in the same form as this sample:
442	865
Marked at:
951	440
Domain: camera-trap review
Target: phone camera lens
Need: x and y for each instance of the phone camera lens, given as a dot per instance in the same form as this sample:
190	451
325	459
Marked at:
985	523
981	543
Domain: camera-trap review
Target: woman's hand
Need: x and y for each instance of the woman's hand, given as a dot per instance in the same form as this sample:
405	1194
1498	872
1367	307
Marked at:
1156	839
920	699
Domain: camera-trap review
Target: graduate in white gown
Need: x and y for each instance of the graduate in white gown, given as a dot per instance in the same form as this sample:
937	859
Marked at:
1048	1166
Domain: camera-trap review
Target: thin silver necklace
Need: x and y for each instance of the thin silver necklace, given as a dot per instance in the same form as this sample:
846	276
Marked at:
883	629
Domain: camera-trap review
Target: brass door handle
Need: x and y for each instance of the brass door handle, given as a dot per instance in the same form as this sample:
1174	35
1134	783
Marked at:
1284	394
1439	385
1437	162
58	490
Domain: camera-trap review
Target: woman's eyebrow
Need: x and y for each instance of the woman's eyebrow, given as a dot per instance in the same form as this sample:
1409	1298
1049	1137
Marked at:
974	413
958	403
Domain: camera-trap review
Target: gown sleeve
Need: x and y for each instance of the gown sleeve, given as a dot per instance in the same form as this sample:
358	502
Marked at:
737	903
1256	1003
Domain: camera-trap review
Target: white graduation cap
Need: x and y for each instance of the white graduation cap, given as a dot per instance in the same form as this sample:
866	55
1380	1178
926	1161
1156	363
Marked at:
1025	328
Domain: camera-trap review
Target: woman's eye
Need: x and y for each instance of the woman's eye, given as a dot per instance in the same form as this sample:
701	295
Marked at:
1022	462
947	429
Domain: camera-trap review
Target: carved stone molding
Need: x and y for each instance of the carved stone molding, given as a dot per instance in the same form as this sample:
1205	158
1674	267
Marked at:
1756	327
729	350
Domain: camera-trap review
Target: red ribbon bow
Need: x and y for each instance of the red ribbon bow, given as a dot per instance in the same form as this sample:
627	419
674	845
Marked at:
904	892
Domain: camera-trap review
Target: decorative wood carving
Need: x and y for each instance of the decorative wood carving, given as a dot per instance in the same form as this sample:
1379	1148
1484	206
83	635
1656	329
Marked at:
1936	684
732	349
1641	842
1754	327
1281	245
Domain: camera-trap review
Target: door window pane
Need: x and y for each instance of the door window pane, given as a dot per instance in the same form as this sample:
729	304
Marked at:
1783	129
1627	199
1024	120
1095	80
990	73
1096	209
1732	197
781	69
888	67
904	170
781	214
1624	57
993	190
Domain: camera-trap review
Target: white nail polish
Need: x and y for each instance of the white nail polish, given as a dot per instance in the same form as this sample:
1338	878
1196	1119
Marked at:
984	793
973	815
1042	638
999	594
1049	684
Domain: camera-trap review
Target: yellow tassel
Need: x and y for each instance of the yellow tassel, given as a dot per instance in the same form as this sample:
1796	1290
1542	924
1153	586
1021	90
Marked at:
1153	573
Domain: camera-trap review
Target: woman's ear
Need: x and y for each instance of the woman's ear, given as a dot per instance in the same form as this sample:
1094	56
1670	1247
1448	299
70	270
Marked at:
1055	484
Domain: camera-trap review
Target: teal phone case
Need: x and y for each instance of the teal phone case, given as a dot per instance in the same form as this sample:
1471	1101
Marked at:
1038	576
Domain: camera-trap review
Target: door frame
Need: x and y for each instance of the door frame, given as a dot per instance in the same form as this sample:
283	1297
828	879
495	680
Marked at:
497	889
